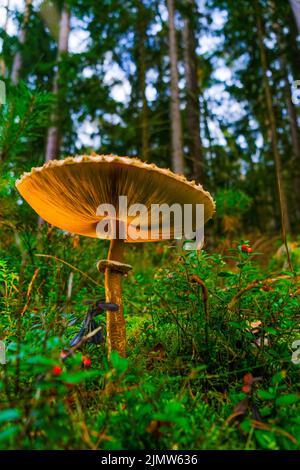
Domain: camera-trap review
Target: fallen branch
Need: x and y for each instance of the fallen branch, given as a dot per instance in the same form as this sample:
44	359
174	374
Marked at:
204	290
256	283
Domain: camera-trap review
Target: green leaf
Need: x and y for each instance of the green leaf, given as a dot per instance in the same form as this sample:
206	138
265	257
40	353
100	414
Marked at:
42	360
9	415
193	297
278	378
118	363
76	377
271	330
266	440
265	395
288	399
8	432
225	274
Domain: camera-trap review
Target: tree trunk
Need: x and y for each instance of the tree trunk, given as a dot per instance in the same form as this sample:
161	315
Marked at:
295	4
17	62
292	113
176	129
192	88
52	145
285	222
2	63
142	68
295	136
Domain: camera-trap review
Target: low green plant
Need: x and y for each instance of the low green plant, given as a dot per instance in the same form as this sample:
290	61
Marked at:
209	352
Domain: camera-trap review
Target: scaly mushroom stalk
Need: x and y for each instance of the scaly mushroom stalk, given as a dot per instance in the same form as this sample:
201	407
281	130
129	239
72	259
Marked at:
115	322
114	269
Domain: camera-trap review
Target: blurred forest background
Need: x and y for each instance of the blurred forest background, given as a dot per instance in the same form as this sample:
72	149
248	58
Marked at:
208	88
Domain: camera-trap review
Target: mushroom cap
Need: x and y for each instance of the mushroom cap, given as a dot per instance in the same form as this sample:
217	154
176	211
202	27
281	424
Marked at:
67	193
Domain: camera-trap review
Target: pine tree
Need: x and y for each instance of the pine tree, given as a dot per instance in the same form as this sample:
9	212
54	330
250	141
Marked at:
53	135
192	91
176	126
295	4
17	63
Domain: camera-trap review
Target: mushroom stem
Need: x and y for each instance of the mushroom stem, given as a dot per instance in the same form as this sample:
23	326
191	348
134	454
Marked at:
115	321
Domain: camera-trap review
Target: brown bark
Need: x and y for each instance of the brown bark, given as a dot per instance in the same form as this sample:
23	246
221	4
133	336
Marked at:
285	222
292	113
115	321
192	88
52	143
295	136
2	63
295	4
176	128
17	62
142	68
291	110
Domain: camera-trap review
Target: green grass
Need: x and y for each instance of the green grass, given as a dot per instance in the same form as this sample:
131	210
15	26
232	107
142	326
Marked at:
197	376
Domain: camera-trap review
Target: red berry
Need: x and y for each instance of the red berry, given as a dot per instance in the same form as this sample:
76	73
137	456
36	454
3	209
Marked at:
56	370
250	250
248	379
245	248
246	388
86	361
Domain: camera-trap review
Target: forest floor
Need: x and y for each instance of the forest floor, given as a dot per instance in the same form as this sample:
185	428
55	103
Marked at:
212	358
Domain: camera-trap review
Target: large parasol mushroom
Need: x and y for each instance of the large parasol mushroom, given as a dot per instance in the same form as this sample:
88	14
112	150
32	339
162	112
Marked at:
77	193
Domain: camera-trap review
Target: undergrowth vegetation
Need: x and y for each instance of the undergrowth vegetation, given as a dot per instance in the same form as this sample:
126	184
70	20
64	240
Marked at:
212	362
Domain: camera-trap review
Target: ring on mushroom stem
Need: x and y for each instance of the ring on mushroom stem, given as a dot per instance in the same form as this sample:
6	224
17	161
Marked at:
68	194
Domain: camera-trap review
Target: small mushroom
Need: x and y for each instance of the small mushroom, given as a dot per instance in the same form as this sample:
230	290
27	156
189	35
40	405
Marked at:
68	193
